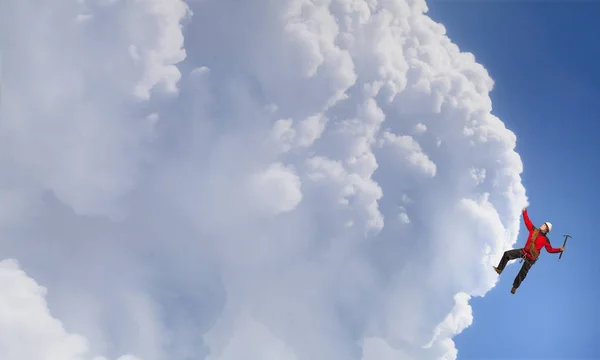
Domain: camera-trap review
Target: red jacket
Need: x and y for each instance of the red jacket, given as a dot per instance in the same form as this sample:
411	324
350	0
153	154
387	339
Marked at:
540	242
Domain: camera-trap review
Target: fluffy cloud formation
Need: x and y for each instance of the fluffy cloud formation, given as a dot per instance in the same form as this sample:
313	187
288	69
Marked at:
28	331
297	180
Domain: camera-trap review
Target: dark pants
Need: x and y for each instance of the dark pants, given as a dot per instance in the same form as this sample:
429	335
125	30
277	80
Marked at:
515	254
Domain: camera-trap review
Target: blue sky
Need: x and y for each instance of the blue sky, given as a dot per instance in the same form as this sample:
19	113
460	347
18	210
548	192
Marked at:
543	58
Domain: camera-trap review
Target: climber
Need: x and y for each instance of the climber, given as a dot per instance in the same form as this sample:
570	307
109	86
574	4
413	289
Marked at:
530	252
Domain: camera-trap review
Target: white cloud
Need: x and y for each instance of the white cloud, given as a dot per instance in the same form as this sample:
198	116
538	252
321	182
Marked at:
28	330
409	149
303	135
66	110
285	186
250	340
420	128
276	189
459	318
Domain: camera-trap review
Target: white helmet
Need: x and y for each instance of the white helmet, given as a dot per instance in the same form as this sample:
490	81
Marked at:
549	225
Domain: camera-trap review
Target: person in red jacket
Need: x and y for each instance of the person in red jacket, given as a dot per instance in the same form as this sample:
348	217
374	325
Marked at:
536	240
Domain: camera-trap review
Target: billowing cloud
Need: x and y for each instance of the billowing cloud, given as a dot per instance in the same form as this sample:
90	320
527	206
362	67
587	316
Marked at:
28	330
268	180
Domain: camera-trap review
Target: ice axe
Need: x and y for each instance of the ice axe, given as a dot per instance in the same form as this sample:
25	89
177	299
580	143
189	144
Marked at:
565	243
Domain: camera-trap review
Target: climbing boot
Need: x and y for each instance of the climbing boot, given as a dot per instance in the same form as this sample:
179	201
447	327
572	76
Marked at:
498	271
513	290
